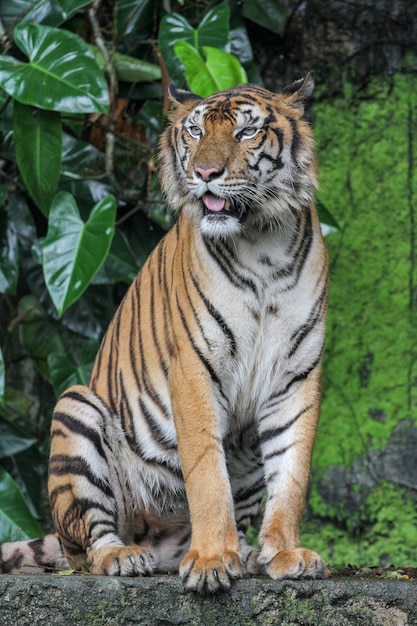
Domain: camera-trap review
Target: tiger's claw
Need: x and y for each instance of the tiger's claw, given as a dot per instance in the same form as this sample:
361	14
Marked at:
210	574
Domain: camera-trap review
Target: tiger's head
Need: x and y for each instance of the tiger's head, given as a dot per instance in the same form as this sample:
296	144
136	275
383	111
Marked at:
239	160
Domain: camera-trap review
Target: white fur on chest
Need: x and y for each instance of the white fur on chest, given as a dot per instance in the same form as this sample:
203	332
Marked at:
263	320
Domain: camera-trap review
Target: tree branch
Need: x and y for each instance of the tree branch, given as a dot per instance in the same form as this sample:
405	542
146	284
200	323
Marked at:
110	70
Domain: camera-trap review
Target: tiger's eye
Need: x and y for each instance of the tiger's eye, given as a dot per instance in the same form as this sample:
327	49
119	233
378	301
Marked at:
195	131
249	132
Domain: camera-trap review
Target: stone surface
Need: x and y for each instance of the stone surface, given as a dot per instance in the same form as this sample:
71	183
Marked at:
92	601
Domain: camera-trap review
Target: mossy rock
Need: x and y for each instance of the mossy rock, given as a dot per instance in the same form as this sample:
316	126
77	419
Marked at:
364	480
96	601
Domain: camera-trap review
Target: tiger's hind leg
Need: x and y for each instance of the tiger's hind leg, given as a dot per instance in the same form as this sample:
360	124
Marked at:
89	511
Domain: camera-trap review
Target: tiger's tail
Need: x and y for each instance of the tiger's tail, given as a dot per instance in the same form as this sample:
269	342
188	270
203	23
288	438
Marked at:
35	556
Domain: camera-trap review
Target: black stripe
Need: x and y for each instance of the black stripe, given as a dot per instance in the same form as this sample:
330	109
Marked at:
79	397
278	452
55	493
112	365
228	265
278	395
74	513
15	561
216	315
143	378
165	310
200	355
303	331
126	418
276	161
191	303
153	314
248	492
296	141
298	377
79	428
294	267
271	433
156	430
62	464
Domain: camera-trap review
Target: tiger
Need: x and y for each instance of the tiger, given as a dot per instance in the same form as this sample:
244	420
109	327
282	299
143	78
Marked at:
204	397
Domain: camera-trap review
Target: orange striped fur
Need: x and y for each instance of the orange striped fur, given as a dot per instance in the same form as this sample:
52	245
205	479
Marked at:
206	389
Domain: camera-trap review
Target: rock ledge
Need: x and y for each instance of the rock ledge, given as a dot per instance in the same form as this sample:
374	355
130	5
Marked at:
160	601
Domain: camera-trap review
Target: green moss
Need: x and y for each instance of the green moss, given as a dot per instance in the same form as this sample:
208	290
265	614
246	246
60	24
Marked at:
98	617
366	182
368	152
388	532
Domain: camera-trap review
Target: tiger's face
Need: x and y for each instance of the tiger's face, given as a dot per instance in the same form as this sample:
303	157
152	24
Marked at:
239	160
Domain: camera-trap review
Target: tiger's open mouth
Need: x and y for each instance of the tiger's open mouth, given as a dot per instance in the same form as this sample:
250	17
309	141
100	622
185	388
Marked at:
216	207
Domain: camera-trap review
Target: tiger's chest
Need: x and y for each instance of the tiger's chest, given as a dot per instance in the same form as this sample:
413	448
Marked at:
261	320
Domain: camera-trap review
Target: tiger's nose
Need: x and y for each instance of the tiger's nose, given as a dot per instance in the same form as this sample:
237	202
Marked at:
208	173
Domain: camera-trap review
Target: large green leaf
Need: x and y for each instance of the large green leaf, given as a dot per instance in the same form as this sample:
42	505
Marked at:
53	12
29	470
38	141
213	31
16	520
129	68
43	336
16	405
120	264
50	12
9	254
328	222
62	74
91	314
73	250
133	15
66	370
271	14
22	219
214	28
220	70
39	333
13	439
80	160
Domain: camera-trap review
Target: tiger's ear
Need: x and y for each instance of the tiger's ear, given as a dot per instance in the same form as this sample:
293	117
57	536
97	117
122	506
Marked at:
298	92
181	96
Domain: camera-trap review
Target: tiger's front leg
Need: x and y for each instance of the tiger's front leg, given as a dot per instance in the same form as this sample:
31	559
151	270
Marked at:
214	558
87	504
287	444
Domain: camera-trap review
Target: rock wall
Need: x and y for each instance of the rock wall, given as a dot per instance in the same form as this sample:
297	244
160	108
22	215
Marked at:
95	601
364	486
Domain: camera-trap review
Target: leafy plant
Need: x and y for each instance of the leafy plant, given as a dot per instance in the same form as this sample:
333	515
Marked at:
81	110
62	252
80	207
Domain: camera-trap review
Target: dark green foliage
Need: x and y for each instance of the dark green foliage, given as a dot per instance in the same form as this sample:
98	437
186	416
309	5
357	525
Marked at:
78	137
81	110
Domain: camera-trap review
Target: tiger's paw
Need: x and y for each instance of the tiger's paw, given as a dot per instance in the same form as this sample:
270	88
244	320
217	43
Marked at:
121	561
298	563
210	574
250	563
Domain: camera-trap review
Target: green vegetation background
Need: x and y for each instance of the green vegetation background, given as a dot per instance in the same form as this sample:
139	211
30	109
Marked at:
362	503
368	159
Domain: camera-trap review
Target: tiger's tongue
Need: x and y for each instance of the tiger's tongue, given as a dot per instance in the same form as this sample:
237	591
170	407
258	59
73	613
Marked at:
213	203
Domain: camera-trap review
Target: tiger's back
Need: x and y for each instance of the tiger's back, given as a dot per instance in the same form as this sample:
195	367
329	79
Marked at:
206	388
